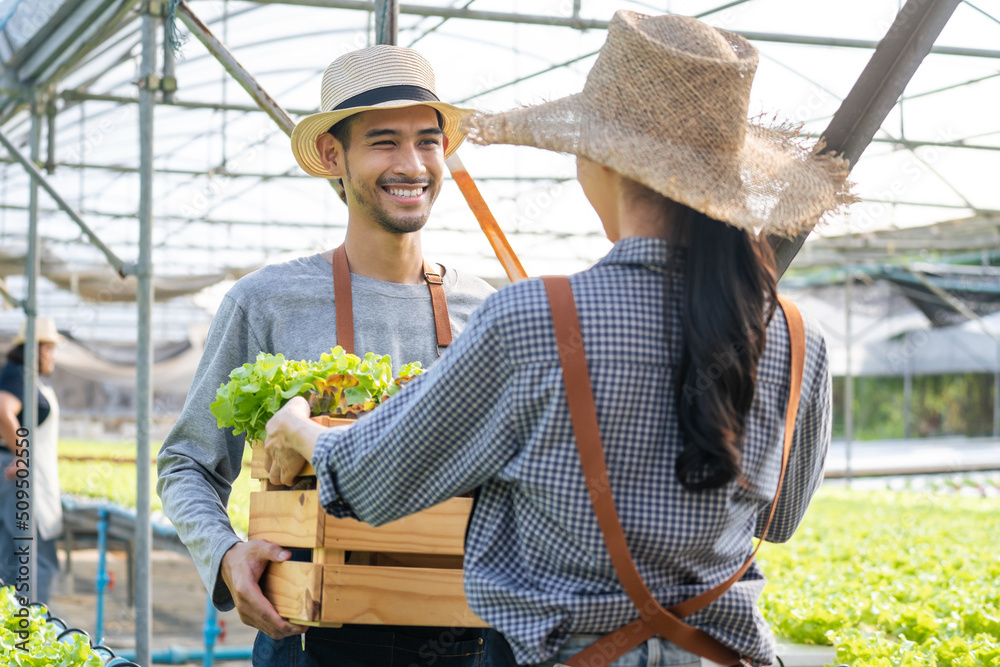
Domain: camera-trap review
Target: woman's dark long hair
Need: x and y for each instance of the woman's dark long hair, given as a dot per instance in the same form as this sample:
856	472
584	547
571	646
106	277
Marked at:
730	293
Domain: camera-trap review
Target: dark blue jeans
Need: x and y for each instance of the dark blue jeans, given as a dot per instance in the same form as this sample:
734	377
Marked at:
386	646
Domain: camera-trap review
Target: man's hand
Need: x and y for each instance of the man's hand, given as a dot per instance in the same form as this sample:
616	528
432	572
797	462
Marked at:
291	437
242	567
10	472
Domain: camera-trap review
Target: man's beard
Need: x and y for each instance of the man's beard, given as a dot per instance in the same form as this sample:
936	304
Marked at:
377	212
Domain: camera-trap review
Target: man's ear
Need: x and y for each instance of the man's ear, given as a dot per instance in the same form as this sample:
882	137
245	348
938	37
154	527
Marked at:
331	154
444	143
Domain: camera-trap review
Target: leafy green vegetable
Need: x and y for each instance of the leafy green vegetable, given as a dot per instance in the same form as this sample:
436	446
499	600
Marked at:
339	385
38	646
891	579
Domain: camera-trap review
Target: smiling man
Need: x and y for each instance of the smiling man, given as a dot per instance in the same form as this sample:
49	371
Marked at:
385	135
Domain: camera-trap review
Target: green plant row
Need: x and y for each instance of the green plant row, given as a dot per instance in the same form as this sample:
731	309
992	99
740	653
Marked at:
116	482
892	579
27	639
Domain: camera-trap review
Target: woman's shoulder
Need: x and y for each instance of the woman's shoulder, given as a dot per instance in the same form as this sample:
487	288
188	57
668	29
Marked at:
520	298
12	378
11	369
773	366
518	312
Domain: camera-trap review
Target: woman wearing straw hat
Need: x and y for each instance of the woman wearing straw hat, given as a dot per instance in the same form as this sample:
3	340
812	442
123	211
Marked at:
633	427
46	505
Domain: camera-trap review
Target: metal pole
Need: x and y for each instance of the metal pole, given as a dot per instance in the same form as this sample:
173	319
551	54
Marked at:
996	395
211	630
233	66
386	21
907	389
8	297
50	136
25	533
79	96
899	54
911	9
102	579
848	380
169	66
144	362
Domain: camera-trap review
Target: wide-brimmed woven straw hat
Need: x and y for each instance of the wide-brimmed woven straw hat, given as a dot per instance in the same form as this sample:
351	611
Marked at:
377	77
666	105
45	330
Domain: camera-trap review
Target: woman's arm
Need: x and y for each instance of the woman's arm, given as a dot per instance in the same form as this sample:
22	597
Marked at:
445	433
809	448
10	406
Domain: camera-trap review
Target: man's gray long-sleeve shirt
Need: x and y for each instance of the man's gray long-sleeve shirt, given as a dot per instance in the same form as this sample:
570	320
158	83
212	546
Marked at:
289	309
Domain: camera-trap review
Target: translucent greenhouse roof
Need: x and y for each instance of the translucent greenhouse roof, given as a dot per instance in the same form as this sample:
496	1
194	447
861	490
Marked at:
229	195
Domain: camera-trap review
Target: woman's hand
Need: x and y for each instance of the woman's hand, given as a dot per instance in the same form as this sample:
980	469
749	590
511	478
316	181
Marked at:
290	440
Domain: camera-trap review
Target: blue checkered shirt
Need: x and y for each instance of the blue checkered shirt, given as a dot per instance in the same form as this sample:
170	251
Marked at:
492	414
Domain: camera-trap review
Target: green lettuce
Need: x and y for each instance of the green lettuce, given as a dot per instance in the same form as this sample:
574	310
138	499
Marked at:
43	650
338	384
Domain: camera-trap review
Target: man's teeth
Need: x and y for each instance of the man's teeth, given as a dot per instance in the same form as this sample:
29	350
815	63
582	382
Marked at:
405	193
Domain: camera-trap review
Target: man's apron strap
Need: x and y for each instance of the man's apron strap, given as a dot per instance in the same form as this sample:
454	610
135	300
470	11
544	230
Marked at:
654	619
344	303
442	323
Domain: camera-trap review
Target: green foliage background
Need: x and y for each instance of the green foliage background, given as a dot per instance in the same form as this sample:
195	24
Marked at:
99	474
943	405
892	579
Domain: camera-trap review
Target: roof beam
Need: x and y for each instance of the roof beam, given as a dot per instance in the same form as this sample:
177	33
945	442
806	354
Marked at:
600	24
81	96
876	91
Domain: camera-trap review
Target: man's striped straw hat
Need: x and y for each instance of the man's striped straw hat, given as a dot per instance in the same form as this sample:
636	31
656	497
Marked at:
377	77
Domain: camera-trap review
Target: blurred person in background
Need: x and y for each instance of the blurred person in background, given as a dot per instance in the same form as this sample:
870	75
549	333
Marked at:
46	506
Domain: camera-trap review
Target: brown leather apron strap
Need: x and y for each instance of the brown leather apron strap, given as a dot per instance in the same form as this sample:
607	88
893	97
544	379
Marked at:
442	322
344	303
654	619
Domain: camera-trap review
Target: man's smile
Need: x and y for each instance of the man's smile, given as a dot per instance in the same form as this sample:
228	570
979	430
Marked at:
406	193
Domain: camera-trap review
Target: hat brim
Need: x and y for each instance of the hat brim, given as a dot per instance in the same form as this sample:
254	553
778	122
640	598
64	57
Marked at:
59	338
309	128
773	183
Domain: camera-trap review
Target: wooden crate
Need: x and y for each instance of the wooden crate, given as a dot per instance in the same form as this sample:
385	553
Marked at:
408	572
